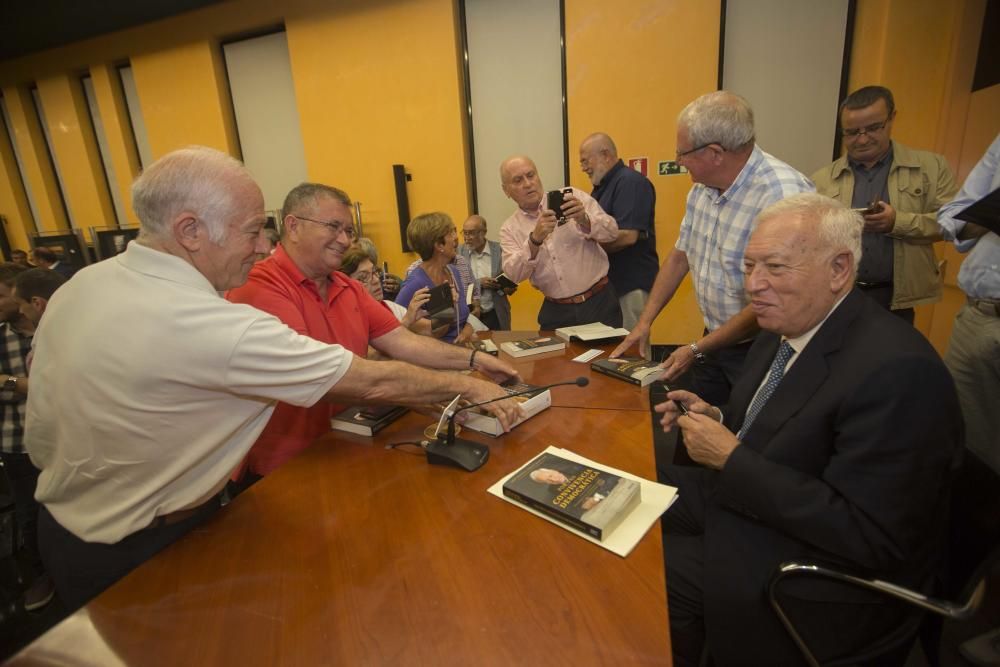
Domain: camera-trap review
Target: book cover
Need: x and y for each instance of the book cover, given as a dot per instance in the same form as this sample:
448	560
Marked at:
596	332
531	404
985	212
580	495
630	369
529	346
366	420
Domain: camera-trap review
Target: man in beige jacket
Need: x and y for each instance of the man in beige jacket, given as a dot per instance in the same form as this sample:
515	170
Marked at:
900	190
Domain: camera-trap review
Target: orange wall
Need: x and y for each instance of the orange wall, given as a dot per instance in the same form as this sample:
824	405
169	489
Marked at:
925	51
636	101
379	83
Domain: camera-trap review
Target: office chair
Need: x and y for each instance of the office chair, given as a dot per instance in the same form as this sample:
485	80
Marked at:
972	550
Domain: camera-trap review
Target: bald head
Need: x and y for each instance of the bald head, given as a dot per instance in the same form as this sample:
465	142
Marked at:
520	181
598	154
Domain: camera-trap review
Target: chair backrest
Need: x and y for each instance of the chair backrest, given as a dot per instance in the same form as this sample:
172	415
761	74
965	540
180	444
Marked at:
974	531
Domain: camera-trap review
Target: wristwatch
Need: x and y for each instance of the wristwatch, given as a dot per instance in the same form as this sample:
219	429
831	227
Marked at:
699	356
10	384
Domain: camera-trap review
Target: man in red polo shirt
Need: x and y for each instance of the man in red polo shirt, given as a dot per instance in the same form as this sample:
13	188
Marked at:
300	285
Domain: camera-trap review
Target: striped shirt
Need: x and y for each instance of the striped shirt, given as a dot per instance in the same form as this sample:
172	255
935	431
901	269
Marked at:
717	226
14	348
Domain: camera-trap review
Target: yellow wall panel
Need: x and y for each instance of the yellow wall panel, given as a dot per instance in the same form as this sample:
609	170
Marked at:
629	73
118	133
27	132
380	87
13	199
183	100
75	147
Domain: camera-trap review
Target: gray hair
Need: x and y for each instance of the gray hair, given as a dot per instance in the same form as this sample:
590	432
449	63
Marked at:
196	179
721	117
366	246
839	228
303	198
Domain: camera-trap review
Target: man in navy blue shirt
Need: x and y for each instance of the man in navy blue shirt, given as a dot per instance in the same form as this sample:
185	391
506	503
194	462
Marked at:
628	197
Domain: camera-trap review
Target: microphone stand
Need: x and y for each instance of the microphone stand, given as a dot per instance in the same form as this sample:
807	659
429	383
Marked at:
468	454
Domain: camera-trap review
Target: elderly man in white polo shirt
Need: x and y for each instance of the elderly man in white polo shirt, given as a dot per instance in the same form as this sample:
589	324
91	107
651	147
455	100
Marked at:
148	388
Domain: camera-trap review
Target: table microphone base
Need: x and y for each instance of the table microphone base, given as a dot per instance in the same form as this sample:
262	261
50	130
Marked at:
464	454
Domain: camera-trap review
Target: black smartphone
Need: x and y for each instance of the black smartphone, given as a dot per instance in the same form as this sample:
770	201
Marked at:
440	299
554	202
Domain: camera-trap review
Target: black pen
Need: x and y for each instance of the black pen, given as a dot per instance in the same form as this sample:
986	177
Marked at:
680	406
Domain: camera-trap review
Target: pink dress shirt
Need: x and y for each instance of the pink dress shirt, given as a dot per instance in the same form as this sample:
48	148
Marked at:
569	261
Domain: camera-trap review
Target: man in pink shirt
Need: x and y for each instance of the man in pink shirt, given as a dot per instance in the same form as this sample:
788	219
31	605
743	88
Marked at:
301	285
564	260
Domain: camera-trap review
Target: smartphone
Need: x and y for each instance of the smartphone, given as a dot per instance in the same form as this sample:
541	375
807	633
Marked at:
872	208
554	202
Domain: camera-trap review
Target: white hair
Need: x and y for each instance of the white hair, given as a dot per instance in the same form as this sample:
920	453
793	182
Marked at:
196	179
721	117
839	228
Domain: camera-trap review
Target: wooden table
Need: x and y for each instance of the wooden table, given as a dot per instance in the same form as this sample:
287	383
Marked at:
602	392
357	554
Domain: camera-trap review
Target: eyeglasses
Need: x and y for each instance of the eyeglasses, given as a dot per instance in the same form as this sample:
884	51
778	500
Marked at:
473	232
679	154
366	276
855	132
335	228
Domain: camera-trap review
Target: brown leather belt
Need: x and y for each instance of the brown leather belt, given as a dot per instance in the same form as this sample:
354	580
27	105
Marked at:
181	515
986	306
583	296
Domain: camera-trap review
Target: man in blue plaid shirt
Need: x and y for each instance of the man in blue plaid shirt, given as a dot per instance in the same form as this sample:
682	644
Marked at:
733	181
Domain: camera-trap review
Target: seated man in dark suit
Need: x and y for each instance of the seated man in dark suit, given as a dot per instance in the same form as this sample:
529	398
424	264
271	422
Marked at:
837	445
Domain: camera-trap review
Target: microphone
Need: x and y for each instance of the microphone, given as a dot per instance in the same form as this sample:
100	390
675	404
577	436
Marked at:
468	454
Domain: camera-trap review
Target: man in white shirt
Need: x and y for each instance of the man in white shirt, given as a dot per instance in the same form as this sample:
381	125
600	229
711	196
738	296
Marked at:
148	388
485	257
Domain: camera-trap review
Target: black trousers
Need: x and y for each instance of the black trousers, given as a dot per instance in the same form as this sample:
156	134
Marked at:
490	319
23	477
81	569
602	307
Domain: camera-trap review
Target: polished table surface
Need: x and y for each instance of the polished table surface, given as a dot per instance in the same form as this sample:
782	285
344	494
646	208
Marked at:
353	553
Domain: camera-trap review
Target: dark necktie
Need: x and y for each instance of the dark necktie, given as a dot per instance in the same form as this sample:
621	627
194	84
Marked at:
777	371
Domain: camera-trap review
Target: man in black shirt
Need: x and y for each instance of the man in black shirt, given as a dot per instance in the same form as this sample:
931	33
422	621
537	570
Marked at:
628	197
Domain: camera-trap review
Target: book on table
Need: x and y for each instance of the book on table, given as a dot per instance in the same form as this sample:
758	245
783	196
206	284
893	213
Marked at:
484	345
367	419
580	495
531	404
528	346
595	332
635	370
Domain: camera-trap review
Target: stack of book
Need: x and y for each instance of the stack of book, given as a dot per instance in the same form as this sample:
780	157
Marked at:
528	346
635	370
531	404
595	332
366	420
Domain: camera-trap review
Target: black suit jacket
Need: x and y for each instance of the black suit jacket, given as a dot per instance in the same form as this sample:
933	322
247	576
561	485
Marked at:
849	462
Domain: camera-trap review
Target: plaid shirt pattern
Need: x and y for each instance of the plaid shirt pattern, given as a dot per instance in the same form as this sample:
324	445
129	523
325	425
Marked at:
14	348
716	228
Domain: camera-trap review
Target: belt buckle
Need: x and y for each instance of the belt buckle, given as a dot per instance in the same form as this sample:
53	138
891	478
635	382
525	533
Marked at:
579	298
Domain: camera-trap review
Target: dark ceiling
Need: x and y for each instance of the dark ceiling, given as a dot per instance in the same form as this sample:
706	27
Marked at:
30	26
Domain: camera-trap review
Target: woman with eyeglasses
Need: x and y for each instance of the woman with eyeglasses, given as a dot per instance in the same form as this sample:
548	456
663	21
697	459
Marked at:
358	263
434	237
